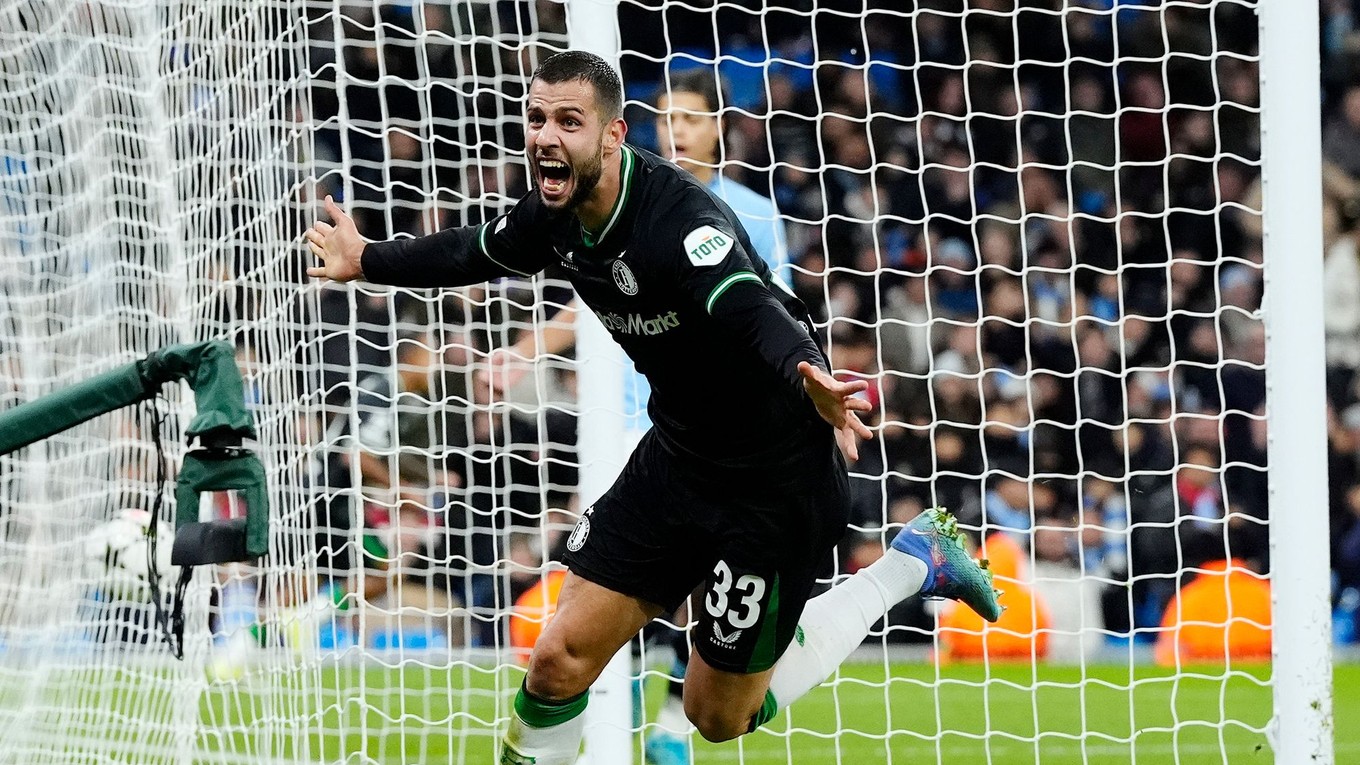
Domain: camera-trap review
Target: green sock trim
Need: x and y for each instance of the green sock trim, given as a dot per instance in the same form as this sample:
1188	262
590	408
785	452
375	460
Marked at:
544	713
766	712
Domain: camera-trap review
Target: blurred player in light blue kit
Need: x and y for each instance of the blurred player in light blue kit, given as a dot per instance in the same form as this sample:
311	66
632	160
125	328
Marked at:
689	132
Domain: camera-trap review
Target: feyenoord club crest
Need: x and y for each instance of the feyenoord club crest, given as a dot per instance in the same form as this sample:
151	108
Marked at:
623	278
577	540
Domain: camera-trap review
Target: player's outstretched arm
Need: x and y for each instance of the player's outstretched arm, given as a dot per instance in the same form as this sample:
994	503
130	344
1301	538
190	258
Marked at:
837	403
507	366
454	257
338	245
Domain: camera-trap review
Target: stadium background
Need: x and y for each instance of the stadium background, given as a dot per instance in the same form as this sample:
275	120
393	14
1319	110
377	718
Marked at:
1094	338
1076	368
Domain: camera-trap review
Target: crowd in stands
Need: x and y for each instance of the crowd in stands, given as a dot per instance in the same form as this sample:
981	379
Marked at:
1341	267
1035	231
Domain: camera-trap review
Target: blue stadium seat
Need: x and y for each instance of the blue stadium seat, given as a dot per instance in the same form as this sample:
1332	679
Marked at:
409	638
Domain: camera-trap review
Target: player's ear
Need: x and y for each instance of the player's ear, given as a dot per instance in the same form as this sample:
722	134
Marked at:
614	133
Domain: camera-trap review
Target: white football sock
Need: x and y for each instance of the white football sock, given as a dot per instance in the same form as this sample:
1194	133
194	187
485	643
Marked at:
838	620
556	740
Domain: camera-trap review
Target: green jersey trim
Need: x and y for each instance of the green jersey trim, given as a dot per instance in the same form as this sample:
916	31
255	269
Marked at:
512	756
740	276
625	187
766	713
766	650
481	245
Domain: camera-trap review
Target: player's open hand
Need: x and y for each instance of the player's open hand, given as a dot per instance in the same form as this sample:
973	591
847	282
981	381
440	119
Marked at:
837	403
339	246
504	369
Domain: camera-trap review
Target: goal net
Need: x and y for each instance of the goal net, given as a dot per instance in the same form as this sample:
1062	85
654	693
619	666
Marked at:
1035	231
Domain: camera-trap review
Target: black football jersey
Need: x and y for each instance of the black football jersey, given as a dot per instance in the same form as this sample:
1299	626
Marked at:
673	278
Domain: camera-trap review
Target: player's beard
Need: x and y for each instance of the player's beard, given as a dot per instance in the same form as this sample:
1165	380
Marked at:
587	177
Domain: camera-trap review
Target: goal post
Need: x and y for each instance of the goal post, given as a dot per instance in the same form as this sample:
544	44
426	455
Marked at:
1291	162
592	26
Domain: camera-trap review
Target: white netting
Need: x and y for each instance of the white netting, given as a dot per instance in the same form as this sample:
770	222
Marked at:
1035	230
91	276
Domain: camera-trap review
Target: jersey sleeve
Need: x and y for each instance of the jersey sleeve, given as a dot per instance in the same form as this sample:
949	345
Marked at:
514	244
717	273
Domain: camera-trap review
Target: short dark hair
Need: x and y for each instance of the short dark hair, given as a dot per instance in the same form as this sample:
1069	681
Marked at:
702	83
587	67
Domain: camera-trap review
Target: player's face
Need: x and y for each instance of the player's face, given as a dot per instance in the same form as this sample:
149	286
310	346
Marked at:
687	130
565	139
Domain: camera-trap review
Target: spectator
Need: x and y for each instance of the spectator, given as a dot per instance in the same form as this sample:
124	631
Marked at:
498	459
1105	549
1347	547
383	439
1072	599
1154	550
1341	301
1341	136
1200	497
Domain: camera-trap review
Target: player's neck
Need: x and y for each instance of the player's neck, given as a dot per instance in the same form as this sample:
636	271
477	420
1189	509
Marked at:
595	210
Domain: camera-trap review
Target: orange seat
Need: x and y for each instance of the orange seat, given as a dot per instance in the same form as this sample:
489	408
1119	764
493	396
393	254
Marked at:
1019	635
1222	614
1006	558
532	611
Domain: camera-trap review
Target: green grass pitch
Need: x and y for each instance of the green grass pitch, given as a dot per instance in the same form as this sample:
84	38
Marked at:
921	715
423	714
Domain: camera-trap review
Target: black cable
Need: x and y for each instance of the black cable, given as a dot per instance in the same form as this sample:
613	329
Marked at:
171	624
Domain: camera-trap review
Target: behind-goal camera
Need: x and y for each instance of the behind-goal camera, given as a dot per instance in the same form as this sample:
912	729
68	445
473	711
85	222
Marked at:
218	461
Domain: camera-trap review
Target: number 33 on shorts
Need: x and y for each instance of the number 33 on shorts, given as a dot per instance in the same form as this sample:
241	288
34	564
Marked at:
734	604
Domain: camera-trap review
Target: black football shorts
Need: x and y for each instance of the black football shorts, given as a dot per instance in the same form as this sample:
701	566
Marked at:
756	538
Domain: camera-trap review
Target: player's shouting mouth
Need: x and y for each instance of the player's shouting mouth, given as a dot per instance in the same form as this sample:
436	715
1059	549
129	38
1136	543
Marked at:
553	175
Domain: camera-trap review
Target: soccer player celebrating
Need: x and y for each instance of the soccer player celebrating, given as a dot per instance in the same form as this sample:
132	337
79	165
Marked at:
689	132
745	494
